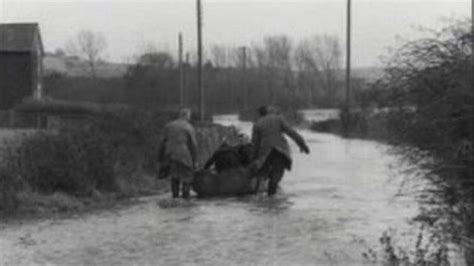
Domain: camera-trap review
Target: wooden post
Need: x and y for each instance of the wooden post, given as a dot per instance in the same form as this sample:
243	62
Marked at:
199	66
348	57
181	70
186	80
244	78
346	112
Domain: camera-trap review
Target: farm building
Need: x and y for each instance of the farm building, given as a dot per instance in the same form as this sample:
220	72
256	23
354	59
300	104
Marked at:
21	63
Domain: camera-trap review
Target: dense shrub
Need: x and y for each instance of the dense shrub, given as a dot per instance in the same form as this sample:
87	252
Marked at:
432	78
430	94
83	160
428	102
8	189
114	153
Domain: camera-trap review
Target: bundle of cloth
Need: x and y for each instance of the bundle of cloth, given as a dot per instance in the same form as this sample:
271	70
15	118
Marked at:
227	172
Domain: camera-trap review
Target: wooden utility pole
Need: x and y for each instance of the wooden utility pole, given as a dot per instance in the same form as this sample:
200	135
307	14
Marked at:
348	57
244	77
199	66
181	69
186	71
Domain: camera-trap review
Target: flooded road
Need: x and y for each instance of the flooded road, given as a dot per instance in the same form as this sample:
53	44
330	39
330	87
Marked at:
333	205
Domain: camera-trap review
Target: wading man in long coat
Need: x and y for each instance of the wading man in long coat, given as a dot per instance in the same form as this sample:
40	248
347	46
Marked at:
178	153
272	152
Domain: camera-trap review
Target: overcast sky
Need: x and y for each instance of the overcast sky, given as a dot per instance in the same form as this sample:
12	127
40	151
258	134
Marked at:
129	26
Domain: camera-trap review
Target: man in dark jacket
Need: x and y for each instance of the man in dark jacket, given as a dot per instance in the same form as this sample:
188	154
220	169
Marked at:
232	176
244	149
272	152
229	156
225	157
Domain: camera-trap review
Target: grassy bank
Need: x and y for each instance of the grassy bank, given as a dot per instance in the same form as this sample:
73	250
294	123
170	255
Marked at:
111	157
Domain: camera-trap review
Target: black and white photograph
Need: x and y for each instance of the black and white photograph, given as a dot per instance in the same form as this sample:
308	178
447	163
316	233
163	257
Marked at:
236	132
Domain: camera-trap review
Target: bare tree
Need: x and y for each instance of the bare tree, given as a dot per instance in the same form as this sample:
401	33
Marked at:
161	60
307	72
219	56
90	46
278	50
319	57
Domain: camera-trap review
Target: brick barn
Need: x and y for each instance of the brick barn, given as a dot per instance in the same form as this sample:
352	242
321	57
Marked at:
21	63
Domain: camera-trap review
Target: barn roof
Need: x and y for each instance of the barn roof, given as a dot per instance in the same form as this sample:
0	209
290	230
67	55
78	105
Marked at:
19	37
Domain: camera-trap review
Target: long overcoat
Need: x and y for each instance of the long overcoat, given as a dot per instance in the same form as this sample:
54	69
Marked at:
179	143
268	134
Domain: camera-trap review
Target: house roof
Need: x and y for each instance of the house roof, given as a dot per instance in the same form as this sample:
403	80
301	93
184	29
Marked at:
19	37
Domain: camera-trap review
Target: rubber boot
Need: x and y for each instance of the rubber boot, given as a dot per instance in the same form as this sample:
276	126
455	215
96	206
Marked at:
186	190
256	188
272	186
275	178
175	188
258	184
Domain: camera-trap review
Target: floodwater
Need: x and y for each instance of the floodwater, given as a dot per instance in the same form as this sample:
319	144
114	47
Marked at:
320	114
333	206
